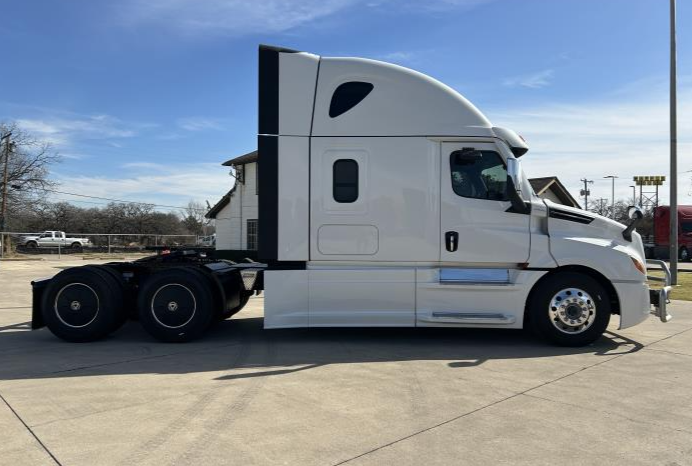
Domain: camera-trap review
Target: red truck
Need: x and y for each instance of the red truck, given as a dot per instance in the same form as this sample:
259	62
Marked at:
662	231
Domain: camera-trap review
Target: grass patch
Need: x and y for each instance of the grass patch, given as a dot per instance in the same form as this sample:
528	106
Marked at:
683	291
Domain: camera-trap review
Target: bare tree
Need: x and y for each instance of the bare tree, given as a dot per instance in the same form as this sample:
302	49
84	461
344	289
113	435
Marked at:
27	171
194	218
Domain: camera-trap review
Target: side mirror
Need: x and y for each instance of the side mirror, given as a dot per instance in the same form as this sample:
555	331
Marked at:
514	187
514	174
634	212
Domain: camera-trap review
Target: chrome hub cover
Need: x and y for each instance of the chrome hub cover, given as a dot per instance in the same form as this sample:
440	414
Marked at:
572	310
172	306
75	305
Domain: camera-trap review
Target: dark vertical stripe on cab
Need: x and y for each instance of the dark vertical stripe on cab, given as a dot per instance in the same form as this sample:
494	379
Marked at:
268	152
268	89
268	218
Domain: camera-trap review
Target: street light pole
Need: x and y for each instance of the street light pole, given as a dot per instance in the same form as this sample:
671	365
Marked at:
612	199
673	151
634	194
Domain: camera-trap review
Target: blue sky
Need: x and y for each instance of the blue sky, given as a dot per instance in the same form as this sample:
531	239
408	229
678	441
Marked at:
145	98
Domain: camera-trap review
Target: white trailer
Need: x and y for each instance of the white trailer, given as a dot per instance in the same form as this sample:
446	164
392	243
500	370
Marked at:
388	199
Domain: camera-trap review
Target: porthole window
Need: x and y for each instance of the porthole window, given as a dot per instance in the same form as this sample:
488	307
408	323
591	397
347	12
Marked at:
345	180
347	96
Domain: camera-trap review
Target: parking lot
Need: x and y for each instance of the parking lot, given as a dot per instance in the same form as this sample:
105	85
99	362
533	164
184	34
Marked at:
244	395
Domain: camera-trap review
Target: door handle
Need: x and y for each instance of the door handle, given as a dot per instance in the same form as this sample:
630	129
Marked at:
452	241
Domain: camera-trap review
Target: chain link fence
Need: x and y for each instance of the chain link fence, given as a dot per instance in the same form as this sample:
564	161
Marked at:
103	243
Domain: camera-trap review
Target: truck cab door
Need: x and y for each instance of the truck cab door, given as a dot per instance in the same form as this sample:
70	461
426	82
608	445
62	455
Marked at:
477	223
45	239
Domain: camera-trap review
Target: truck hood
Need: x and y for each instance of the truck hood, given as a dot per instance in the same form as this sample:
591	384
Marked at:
599	229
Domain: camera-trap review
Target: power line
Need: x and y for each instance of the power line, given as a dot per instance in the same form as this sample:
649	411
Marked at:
119	200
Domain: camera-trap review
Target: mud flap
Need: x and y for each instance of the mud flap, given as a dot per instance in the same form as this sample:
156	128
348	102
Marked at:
38	287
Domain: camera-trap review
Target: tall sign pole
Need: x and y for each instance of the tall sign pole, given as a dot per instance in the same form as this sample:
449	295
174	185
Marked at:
673	151
612	197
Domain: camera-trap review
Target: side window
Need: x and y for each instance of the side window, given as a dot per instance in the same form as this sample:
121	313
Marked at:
347	96
345	180
480	175
686	227
252	234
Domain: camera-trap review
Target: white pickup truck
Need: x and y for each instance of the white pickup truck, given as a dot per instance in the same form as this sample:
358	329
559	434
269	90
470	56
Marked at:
53	239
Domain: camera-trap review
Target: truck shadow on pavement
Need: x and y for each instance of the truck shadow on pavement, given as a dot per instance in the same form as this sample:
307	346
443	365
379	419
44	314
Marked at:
240	348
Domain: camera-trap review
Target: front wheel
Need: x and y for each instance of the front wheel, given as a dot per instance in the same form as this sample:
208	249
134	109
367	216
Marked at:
569	309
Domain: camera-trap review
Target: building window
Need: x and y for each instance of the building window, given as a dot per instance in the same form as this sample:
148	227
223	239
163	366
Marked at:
345	180
252	234
347	96
479	175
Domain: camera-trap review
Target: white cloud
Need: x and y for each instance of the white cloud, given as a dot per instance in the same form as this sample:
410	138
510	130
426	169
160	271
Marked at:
61	130
620	137
399	56
242	17
232	17
167	184
201	124
532	81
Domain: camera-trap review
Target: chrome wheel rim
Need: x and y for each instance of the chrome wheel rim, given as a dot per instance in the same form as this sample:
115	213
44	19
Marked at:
572	311
173	305
76	305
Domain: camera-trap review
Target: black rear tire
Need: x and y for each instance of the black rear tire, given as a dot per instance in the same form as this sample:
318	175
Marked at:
553	322
118	283
82	304
176	305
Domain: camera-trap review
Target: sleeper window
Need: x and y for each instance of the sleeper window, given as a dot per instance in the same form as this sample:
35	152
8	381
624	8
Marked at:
347	96
481	177
345	180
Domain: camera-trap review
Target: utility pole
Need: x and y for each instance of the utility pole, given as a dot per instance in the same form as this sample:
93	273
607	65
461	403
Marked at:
3	209
585	192
612	199
673	151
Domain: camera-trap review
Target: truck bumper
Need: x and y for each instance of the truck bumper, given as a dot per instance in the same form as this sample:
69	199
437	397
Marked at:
659	298
38	287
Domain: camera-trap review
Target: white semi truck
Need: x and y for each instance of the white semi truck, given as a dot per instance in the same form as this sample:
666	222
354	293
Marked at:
385	199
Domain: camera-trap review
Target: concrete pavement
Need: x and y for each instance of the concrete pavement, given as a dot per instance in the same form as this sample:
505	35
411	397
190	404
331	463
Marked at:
244	395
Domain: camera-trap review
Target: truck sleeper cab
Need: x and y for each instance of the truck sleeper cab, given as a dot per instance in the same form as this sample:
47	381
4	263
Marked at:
385	199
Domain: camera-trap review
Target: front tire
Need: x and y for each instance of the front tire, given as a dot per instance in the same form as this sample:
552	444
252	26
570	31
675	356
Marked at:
569	309
176	305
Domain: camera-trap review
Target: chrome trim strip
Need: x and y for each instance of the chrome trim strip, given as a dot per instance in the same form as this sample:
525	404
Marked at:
471	317
448	275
